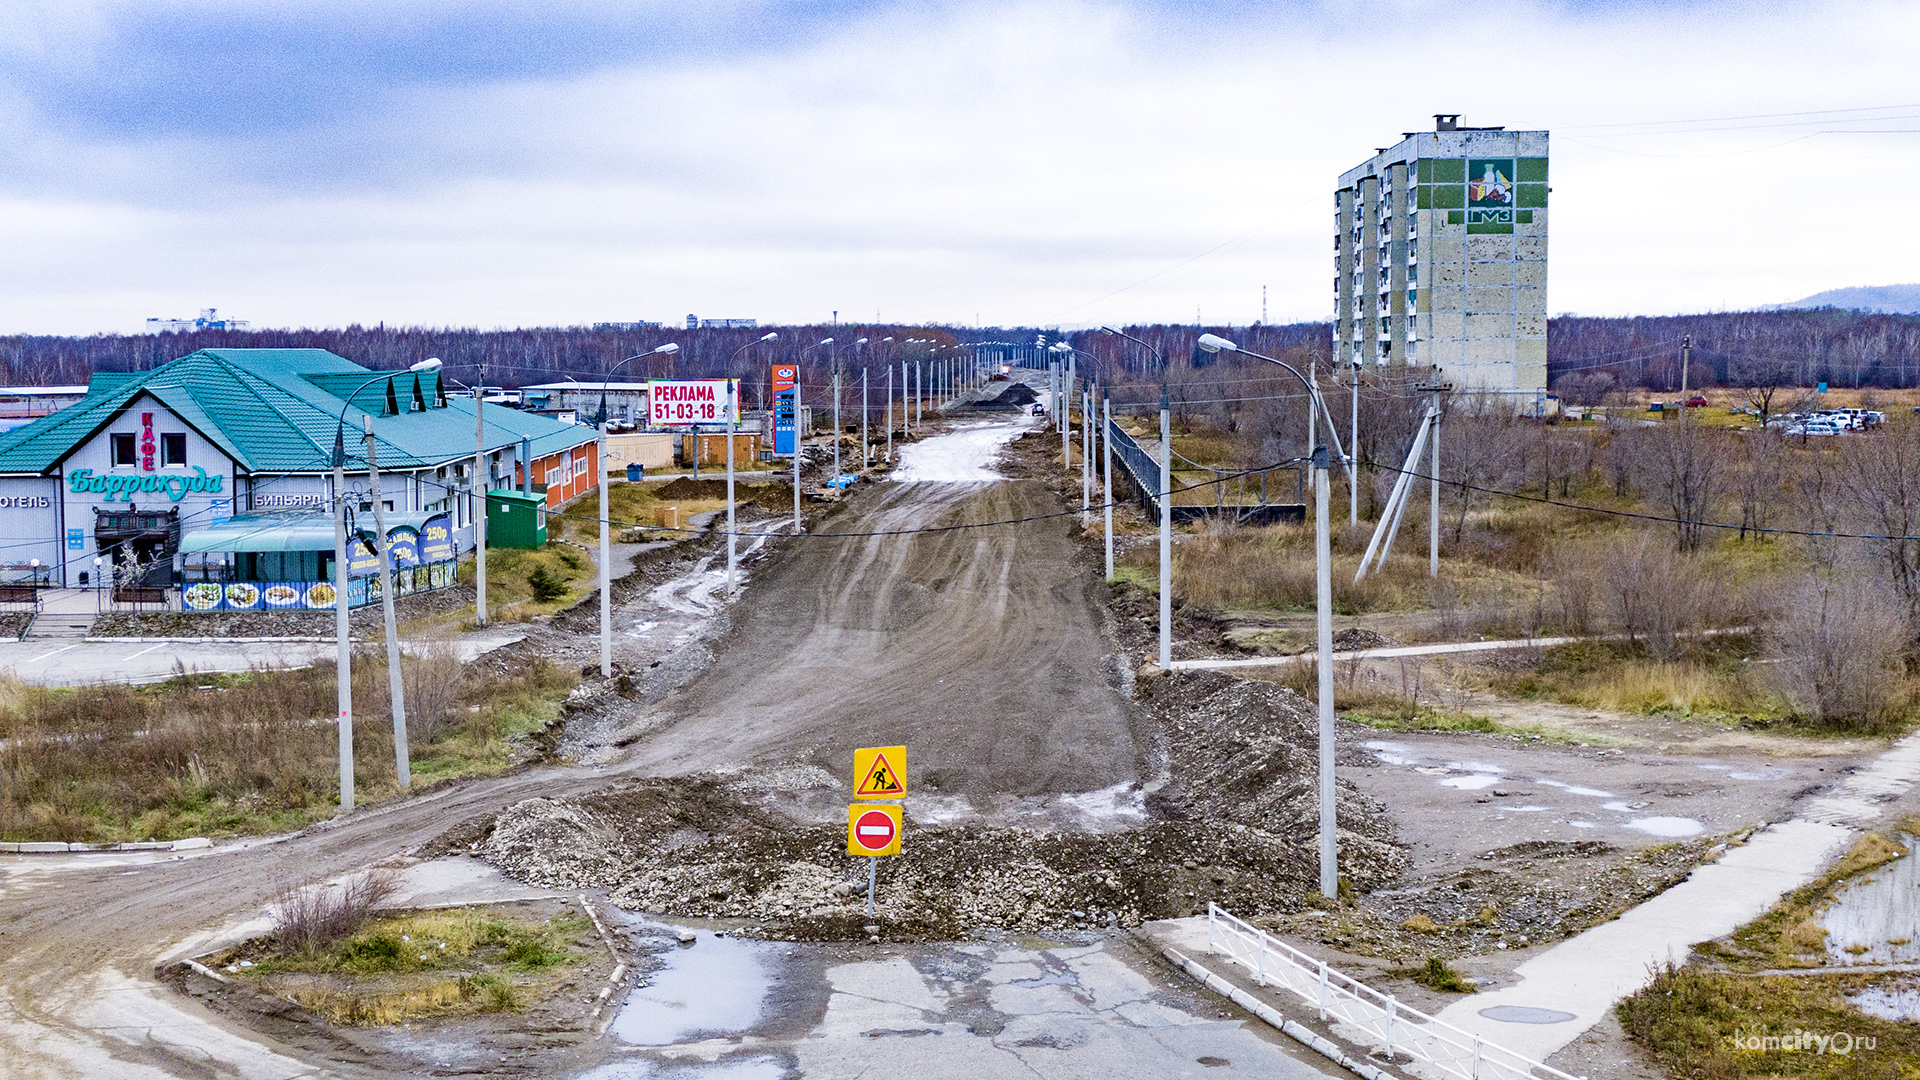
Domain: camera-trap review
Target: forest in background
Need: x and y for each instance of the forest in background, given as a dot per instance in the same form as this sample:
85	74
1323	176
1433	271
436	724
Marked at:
1588	357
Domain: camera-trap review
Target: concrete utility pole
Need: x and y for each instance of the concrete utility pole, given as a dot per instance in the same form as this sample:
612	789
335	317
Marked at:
606	546
1323	593
836	420
1106	467
396	687
889	414
480	480
1353	489
1166	533
1433	493
1086	455
1686	361
733	537
865	456
343	661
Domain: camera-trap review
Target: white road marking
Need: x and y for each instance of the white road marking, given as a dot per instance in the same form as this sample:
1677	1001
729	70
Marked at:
145	651
55	652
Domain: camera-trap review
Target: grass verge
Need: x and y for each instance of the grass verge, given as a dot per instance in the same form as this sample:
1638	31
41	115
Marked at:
423	965
1789	935
1717	1026
251	753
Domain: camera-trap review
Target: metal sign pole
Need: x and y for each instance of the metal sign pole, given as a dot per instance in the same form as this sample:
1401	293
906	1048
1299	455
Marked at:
873	872
1106	465
480	480
796	451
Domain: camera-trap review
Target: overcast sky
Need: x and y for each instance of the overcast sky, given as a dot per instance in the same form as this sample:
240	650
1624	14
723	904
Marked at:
486	163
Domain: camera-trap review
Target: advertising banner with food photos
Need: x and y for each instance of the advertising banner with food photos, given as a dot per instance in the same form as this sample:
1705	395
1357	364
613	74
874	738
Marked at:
311	595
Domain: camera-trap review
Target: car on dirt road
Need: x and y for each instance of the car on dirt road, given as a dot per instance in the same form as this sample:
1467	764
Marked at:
1039	409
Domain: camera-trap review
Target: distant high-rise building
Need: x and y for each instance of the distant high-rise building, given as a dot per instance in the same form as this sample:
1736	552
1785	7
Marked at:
1440	257
693	322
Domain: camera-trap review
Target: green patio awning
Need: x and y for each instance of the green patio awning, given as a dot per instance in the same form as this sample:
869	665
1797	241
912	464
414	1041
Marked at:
263	532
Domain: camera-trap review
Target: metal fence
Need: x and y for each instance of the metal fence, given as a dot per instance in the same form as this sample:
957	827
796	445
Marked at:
1382	1019
1141	465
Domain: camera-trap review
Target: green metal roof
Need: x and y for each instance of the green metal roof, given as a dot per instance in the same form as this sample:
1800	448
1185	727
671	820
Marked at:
276	410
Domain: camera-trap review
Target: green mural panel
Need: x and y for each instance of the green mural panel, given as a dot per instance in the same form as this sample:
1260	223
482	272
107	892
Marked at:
1456	217
1449	197
1423	170
1490	228
1449	170
1423	197
1531	170
1534	195
1526	217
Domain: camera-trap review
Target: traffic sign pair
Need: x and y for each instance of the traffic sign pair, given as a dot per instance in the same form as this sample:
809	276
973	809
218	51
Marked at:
873	828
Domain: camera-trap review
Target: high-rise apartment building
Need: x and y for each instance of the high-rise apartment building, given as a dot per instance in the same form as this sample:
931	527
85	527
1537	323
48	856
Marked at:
1440	257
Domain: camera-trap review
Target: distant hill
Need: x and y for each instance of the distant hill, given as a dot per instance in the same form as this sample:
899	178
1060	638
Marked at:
1885	299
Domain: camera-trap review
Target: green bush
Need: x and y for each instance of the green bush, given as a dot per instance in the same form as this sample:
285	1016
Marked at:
546	585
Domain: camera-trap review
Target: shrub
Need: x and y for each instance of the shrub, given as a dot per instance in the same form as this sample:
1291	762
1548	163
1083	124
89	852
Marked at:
308	916
1838	643
546	585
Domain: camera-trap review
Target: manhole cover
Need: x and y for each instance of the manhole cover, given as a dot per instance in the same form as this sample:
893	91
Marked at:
1525	1014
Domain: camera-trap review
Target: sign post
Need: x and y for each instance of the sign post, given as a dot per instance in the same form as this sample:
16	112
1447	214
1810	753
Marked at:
690	403
873	828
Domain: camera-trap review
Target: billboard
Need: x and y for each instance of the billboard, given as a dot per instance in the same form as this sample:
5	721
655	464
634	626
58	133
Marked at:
786	396
678	402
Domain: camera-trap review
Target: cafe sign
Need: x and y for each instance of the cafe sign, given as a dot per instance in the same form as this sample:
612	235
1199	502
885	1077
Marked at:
176	486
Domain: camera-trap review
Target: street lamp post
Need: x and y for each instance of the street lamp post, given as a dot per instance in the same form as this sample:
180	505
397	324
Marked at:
343	664
1323	590
733	391
606	515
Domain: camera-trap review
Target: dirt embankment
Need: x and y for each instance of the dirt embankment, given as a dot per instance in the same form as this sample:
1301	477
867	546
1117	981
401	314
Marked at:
1234	822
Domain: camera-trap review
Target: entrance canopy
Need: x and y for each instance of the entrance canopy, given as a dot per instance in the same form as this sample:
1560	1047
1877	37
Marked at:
264	532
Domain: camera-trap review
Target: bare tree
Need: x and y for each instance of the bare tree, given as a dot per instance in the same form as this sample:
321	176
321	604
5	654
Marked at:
1838	643
1758	480
1763	381
1881	479
1685	465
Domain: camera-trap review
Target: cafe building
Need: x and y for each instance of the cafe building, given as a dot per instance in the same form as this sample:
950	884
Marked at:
211	477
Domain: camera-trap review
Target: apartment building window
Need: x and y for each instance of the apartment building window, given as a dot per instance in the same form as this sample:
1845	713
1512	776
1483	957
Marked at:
125	453
173	448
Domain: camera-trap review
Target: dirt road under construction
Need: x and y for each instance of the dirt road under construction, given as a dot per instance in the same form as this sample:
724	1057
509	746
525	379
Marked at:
982	650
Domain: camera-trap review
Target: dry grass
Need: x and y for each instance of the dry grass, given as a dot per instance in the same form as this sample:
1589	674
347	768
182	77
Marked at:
1789	935
1690	1019
1710	681
426	964
248	753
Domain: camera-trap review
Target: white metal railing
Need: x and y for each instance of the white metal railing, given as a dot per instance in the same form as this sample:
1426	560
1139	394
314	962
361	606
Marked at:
1391	1025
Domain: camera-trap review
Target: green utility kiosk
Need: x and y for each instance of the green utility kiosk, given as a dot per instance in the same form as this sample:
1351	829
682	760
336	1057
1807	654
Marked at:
515	520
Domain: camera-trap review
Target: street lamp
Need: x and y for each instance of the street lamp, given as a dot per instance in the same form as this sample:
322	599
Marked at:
606	518
1323	591
343	674
733	391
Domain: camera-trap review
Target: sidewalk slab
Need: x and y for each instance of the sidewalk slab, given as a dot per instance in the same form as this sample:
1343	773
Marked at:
1585	975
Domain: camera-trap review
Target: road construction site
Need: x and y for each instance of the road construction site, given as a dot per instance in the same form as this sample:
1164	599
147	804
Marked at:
1063	796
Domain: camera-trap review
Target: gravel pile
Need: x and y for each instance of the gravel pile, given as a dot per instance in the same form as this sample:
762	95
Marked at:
1235	823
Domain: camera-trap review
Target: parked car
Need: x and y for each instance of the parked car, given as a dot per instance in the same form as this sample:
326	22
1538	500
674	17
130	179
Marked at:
1815	426
1696	401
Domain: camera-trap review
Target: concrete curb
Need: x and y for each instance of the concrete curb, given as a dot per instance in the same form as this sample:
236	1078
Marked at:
110	639
1293	1029
60	847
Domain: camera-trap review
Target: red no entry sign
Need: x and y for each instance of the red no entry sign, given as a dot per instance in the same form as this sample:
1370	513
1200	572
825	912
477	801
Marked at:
873	830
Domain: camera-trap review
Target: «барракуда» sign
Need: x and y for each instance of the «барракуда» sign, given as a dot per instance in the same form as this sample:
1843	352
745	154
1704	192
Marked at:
175	487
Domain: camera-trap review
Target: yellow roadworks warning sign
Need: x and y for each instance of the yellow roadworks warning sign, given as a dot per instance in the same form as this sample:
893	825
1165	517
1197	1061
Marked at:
880	772
873	829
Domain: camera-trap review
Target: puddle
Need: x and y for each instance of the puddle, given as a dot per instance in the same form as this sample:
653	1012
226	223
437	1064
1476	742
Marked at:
1876	919
1672	827
1583	824
1390	753
1623	807
1526	809
1895	1001
1470	783
756	1068
1575	789
713	987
